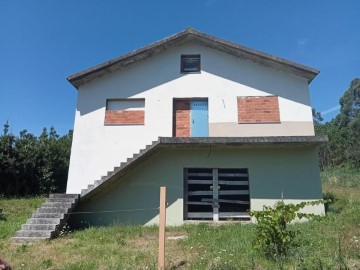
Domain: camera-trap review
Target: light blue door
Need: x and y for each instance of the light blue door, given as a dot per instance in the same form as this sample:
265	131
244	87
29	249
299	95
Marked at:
199	118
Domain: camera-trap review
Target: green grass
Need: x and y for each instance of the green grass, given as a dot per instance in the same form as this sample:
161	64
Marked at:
15	212
331	243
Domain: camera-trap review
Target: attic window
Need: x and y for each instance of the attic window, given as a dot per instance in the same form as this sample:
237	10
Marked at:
190	63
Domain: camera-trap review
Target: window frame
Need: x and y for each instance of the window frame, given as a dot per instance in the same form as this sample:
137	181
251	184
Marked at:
185	57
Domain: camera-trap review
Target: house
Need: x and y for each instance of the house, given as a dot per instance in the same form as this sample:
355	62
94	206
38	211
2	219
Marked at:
225	128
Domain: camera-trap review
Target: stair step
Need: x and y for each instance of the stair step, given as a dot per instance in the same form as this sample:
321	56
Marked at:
72	200
31	233
26	240
48	215
60	195
109	174
90	187
38	227
43	221
53	209
48	220
57	204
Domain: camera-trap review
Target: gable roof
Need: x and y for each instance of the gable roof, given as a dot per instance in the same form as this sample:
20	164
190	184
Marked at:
206	40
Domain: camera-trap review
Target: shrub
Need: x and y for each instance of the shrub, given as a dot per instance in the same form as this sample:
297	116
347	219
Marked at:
273	235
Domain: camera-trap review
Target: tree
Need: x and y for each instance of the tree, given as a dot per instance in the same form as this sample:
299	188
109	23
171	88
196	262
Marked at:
7	160
347	123
343	131
31	165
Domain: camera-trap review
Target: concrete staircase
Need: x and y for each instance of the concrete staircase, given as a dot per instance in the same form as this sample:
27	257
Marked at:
122	167
48	220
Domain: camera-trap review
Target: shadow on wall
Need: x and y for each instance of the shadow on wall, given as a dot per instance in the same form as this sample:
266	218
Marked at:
116	207
134	198
271	171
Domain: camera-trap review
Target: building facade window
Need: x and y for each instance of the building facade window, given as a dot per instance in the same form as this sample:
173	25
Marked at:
125	112
258	109
216	194
190	63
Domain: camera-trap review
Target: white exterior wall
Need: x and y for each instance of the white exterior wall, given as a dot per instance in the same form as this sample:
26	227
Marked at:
98	148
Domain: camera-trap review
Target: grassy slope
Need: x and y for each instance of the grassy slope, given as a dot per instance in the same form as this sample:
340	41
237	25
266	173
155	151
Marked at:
328	244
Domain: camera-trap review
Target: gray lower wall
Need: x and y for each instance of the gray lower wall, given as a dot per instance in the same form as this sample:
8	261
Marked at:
292	172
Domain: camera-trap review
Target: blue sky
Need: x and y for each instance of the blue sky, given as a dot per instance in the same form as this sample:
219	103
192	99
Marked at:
43	42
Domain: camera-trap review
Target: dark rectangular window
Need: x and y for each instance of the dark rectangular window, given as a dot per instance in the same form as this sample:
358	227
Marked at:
190	63
216	194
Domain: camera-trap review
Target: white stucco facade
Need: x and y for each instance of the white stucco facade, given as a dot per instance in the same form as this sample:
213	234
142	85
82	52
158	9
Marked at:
98	148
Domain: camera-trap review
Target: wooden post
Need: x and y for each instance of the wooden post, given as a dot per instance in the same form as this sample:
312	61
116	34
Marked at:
162	225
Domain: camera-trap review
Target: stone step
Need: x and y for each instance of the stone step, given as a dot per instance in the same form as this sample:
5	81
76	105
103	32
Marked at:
52	210
35	233
27	240
37	227
97	182
61	195
58	204
43	221
48	220
72	200
48	215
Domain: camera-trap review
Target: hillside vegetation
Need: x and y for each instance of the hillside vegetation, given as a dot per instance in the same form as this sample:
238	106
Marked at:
343	131
331	243
31	165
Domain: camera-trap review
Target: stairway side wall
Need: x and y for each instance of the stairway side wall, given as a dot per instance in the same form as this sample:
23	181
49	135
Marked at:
292	172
